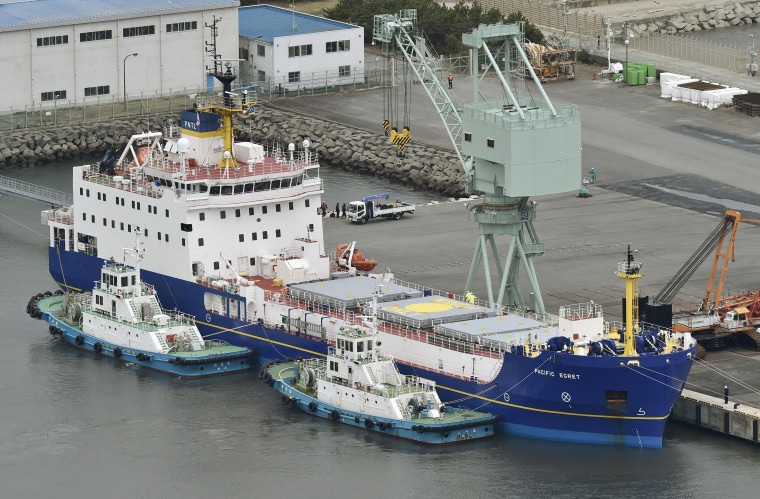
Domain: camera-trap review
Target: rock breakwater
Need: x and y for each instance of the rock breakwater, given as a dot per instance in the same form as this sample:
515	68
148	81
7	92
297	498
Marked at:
424	168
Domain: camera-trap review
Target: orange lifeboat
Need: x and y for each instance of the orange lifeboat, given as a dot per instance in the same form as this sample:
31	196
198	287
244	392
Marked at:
348	256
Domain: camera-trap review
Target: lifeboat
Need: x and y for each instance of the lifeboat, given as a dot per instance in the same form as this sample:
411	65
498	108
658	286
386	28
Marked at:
348	256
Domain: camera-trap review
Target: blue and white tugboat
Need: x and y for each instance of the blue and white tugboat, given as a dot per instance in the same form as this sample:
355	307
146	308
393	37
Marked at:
358	386
123	319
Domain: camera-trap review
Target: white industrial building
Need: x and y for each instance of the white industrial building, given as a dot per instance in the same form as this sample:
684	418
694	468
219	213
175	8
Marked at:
61	52
291	50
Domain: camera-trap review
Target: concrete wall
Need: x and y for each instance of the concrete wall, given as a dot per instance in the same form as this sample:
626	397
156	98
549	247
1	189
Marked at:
712	414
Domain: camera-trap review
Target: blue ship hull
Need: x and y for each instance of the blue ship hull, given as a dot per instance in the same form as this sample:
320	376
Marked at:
554	396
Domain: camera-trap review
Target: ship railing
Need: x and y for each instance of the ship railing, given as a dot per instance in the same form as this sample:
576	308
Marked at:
580	311
63	216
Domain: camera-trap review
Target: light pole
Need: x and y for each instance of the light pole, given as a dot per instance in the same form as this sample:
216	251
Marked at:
124	71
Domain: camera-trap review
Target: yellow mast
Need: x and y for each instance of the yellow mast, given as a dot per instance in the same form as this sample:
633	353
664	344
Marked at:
630	271
231	103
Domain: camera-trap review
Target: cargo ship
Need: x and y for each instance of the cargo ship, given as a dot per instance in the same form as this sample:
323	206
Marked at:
233	236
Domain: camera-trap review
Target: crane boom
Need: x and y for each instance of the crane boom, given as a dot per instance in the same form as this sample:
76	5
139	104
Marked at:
509	148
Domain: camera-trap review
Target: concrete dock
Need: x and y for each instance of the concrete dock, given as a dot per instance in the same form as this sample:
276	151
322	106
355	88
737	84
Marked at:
666	173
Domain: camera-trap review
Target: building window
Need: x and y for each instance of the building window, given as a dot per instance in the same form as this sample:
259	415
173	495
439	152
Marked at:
99	90
92	36
243	54
46	41
294	76
186	26
139	31
261	50
344	70
339	46
262	76
57	95
490	143
299	50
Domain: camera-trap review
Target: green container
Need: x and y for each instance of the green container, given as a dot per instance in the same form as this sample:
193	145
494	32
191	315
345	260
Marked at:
651	71
642	73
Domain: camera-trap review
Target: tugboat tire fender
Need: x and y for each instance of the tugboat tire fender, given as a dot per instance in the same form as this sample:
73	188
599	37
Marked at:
312	406
79	340
116	353
368	423
334	415
97	347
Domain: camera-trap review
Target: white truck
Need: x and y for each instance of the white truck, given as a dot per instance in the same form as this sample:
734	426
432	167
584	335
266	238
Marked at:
377	206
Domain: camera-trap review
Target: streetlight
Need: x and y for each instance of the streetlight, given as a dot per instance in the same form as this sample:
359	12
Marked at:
124	71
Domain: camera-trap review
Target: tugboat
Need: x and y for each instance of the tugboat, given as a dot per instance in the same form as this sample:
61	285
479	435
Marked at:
122	318
358	386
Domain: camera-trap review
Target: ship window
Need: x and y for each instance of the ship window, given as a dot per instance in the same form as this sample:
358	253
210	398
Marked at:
92	218
117	200
306	203
203	188
186	227
159	235
134	280
98	196
290	205
253	236
264	235
239	189
248	188
264	210
167	213
360	346
261	186
133	205
124	280
166	238
88	192
241	238
226	190
285	183
468	137
237	212
216	265
150	208
490	143
113	224
84	217
297	180
146	232
275	184
105	223
369	345
277	233
122	225
311	227
183	241
129	227
252	261
617	396
104	196
201	216
277	207
250	210
214	190
81	191
122	201
200	241
222	214
138	206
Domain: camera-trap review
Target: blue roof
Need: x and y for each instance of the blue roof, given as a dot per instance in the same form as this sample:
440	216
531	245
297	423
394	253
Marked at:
266	22
30	13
